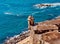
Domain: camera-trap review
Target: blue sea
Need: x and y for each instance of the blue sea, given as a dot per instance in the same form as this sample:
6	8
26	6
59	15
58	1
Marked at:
14	14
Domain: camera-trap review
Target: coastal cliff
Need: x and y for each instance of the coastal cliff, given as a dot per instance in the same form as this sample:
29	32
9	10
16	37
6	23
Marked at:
47	32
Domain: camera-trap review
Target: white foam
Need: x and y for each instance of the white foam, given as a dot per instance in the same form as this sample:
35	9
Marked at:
34	13
41	7
51	14
16	36
8	13
57	17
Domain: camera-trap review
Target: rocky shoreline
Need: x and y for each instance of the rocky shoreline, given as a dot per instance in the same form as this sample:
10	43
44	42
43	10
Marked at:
25	34
17	38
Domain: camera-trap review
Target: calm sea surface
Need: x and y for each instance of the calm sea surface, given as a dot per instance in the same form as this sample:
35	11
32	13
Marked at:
14	13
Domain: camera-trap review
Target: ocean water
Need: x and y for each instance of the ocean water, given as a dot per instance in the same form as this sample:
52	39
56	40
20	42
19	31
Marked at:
14	14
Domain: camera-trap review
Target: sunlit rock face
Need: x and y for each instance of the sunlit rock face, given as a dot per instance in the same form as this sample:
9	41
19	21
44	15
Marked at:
55	41
52	37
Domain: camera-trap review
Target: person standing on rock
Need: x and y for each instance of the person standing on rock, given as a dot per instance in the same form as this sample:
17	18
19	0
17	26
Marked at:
30	21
